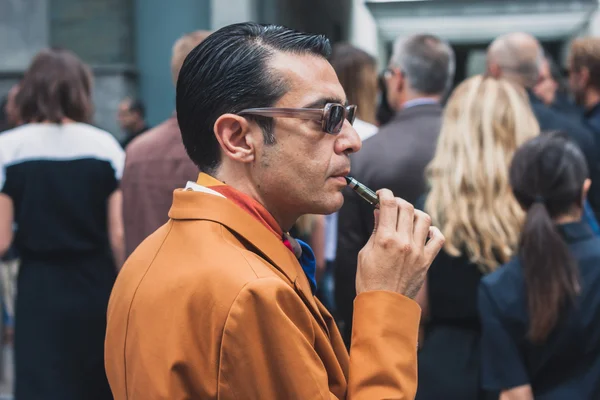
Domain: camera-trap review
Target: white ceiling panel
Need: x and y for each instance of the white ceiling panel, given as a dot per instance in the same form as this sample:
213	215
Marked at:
467	22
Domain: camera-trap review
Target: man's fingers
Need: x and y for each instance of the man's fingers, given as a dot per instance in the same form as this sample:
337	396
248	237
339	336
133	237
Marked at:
388	211
435	243
422	225
406	217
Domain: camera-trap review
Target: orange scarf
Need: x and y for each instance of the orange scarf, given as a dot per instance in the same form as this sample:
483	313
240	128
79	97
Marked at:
243	201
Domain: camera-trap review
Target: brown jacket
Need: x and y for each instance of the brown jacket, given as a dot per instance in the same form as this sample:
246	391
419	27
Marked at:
214	306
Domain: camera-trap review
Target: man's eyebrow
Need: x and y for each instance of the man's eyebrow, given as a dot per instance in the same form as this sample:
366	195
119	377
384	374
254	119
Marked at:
321	102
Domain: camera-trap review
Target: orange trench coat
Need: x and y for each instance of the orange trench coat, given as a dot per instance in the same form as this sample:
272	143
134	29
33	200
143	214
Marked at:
214	306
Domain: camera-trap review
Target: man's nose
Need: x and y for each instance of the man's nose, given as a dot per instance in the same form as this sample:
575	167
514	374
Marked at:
348	140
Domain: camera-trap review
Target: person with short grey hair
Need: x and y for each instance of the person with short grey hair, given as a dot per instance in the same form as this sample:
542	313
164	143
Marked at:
419	74
424	63
518	57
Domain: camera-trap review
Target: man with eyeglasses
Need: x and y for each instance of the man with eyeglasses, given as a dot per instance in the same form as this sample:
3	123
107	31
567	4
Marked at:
219	302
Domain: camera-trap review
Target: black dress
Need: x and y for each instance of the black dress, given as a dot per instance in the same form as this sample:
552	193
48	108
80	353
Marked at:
567	365
59	179
449	360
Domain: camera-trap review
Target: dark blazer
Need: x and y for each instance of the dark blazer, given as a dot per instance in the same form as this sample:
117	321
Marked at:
552	120
395	158
567	365
591	119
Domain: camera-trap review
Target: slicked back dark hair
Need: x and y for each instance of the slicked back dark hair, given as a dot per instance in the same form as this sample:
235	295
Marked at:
229	72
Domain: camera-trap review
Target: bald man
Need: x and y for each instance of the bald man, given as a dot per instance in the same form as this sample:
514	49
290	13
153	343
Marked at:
516	56
519	57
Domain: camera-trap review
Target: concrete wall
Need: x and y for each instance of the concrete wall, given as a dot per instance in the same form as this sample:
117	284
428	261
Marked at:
99	31
111	84
18	45
364	32
23	32
223	13
128	42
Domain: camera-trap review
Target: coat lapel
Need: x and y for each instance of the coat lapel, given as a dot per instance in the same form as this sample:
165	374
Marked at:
191	205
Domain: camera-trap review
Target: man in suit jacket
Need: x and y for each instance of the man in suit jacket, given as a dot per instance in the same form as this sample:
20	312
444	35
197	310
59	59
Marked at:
219	302
584	80
519	57
420	72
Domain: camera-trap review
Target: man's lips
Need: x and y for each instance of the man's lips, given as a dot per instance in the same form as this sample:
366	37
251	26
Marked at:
341	173
341	176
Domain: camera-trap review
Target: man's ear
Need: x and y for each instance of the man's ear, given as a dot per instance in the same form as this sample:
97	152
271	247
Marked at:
400	80
494	70
584	191
234	134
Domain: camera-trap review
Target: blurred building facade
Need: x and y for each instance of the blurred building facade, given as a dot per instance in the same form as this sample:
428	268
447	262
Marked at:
470	25
128	42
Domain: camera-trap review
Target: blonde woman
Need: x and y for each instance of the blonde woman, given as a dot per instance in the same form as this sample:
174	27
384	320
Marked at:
470	199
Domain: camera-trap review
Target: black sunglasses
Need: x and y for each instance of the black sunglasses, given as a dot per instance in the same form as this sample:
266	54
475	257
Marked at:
331	116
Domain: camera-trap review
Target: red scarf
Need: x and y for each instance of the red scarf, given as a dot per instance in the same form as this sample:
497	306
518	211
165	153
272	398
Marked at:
247	204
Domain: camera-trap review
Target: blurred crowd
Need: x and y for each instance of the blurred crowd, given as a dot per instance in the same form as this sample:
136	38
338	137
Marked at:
506	163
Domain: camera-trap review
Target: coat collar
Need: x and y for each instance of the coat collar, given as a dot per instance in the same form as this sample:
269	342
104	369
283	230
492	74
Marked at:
193	205
416	109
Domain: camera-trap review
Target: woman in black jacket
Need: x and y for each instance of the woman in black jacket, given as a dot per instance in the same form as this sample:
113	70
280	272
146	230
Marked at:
539	312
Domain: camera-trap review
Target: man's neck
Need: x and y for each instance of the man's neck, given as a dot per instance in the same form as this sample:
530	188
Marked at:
568	218
592	98
417	97
518	80
244	185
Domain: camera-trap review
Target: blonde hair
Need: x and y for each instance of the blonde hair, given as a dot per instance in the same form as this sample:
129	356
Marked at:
182	48
485	121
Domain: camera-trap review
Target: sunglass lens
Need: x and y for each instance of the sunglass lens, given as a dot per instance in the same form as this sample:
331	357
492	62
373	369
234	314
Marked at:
351	114
335	120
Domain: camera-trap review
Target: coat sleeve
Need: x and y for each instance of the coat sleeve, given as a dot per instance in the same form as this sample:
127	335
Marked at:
268	347
502	365
383	354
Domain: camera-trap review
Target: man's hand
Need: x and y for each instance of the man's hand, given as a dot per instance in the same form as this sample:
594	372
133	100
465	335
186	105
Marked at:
396	257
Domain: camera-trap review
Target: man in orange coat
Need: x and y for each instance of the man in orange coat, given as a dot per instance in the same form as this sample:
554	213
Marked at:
219	302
